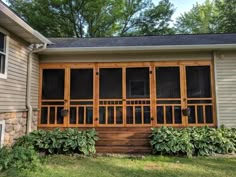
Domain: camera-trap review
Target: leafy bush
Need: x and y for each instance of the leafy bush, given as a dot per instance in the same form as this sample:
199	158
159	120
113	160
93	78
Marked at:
193	141
18	157
61	142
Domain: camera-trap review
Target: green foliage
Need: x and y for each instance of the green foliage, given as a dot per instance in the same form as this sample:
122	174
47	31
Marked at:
95	18
19	157
226	21
61	142
193	141
200	19
213	16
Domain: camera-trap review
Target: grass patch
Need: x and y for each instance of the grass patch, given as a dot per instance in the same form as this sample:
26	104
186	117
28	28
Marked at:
126	166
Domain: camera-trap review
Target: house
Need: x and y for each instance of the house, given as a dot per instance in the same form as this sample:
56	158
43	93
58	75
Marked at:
122	86
18	92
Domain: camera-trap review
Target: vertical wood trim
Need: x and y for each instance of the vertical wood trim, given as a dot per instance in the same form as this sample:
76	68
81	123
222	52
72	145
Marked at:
48	115
134	120
173	114
196	114
96	95
55	115
142	114
67	95
115	114
106	115
183	88
124	95
204	113
85	114
213	94
77	114
153	94
40	94
164	111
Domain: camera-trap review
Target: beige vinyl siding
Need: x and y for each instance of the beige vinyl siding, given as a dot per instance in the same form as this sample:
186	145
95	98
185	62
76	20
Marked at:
127	57
35	81
226	88
13	89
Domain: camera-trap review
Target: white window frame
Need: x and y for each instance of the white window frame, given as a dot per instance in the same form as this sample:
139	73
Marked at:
2	122
6	47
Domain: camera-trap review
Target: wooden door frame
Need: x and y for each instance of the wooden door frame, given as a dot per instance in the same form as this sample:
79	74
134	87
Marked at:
123	65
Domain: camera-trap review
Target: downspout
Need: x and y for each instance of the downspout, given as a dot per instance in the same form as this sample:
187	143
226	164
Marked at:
28	91
216	88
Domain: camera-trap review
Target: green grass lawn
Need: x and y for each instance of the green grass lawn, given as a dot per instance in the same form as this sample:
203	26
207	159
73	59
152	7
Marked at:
125	166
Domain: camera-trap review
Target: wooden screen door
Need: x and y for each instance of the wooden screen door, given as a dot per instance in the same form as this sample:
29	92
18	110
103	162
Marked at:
67	96
199	95
124	95
184	94
53	96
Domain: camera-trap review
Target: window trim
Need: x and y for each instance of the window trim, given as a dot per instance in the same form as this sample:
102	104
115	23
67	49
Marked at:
2	133
6	47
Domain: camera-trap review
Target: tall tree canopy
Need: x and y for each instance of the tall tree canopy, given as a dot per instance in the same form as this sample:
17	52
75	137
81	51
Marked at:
215	16
226	17
95	18
198	20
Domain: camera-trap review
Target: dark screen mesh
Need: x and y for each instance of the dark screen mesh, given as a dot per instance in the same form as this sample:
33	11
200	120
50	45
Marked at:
110	85
137	82
198	81
53	84
81	84
167	82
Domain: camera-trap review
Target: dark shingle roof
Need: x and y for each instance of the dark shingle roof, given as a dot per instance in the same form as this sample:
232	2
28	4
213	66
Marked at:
200	39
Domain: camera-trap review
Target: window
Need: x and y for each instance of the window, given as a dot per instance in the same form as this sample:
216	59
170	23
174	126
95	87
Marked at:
137	82
2	129
3	54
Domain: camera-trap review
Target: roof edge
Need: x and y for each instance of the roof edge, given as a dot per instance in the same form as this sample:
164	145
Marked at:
137	48
8	12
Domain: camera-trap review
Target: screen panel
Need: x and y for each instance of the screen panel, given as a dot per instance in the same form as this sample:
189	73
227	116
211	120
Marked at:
198	81
81	85
137	83
110	83
167	82
53	84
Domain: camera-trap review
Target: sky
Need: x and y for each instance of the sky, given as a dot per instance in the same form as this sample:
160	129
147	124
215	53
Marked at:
180	5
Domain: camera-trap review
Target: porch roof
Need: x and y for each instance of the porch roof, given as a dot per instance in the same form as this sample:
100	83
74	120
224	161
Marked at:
199	42
166	40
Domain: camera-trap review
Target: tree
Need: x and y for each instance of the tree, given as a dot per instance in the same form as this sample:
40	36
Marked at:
95	18
226	21
156	20
200	19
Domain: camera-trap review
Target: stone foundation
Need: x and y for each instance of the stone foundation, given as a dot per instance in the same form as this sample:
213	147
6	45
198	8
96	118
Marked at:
15	125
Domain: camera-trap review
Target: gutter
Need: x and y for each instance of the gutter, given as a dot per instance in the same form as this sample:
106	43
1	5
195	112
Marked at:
28	91
64	50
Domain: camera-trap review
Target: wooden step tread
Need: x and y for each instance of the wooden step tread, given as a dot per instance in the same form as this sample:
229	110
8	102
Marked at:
123	136
124	142
122	149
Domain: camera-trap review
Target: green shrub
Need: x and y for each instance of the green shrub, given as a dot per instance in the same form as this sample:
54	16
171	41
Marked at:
19	157
61	142
193	141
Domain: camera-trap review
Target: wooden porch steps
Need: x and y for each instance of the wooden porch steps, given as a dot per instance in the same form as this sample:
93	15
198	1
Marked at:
123	140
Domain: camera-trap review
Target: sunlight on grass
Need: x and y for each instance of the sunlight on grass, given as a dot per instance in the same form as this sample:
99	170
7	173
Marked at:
119	166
